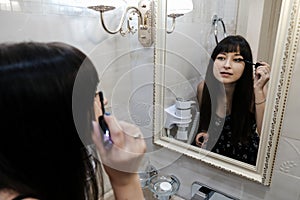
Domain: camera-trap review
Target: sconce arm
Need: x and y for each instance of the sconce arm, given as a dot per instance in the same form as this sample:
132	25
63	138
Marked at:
173	25
145	21
140	16
119	28
173	16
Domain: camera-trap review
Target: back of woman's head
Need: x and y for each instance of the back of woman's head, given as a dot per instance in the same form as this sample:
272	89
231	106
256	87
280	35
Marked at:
40	150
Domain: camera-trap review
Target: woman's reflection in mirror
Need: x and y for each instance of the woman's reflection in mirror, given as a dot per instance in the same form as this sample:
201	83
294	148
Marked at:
232	101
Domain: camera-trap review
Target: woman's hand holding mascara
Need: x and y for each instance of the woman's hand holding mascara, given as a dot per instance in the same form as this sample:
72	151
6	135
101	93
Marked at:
128	145
121	161
262	75
122	158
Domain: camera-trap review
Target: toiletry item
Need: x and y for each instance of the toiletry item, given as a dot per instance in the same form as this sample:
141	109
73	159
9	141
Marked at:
106	134
255	64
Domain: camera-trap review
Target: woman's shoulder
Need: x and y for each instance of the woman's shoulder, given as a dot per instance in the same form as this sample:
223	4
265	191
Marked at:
200	91
200	86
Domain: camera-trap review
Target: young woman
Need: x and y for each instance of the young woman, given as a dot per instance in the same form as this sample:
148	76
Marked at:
232	101
42	155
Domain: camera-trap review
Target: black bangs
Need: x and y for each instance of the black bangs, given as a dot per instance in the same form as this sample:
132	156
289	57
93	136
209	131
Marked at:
233	44
229	46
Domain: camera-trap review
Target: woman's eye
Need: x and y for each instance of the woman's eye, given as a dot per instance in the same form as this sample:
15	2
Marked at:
238	60
220	58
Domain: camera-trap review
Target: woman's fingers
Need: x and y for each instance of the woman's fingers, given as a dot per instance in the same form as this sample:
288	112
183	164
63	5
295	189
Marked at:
128	145
262	75
201	139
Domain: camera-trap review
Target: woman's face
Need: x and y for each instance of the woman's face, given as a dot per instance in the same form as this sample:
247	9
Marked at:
228	67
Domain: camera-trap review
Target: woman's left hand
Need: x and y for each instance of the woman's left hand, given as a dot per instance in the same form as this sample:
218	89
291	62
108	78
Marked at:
262	75
128	145
122	159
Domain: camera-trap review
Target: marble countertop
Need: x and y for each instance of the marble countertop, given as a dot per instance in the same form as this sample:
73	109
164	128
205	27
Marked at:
147	194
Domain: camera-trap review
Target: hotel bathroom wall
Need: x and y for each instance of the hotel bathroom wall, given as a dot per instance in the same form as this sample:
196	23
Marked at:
124	66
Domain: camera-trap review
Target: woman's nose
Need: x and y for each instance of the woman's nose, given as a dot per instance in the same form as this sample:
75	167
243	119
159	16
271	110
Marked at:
227	64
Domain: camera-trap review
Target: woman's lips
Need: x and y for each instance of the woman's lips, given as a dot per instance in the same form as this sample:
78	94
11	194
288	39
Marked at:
226	74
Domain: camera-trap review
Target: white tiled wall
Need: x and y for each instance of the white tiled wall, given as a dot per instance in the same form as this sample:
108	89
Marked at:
124	66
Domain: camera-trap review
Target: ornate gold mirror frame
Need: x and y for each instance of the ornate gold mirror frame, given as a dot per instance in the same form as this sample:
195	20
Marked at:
282	65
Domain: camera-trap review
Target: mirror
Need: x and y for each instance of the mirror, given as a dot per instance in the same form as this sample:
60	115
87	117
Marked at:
181	60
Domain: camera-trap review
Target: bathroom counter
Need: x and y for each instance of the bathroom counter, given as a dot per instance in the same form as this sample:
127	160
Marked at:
148	196
176	198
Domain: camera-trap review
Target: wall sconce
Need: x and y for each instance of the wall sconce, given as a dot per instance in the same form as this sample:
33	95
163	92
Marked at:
177	9
145	20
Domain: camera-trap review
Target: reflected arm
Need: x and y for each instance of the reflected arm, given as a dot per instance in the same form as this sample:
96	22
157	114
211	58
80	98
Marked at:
198	141
260	98
199	92
262	76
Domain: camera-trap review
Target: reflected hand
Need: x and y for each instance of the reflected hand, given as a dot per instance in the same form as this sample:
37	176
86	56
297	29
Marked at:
262	75
201	139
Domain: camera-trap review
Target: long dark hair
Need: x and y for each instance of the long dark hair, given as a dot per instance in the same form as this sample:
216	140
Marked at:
242	103
40	150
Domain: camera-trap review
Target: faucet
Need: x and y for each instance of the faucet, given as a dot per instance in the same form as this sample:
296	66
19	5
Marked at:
201	191
146	174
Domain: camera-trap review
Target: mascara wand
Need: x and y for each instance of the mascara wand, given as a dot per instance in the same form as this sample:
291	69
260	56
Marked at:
106	133
255	64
